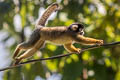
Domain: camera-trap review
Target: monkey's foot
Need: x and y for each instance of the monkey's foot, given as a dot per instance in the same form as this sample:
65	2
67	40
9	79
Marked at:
16	62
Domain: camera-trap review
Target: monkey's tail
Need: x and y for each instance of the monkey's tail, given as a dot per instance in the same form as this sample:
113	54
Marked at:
47	13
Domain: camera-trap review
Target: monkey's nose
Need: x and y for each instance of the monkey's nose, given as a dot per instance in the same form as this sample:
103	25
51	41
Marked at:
81	33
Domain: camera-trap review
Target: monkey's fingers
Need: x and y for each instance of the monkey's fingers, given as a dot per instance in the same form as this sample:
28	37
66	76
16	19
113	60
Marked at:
78	51
100	42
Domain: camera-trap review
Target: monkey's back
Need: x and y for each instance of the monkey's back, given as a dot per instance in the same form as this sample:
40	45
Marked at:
57	35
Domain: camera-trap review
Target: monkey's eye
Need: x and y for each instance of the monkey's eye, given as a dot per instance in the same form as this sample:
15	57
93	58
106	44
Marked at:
74	27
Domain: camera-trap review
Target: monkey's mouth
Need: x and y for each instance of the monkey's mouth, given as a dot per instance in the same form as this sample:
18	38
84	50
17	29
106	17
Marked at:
81	33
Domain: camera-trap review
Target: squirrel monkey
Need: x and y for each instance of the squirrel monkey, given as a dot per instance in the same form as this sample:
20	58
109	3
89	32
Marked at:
62	35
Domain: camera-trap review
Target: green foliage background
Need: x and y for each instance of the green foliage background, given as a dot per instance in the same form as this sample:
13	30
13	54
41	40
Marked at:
102	21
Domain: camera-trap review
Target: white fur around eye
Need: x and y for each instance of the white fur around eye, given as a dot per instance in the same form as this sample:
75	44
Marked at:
74	27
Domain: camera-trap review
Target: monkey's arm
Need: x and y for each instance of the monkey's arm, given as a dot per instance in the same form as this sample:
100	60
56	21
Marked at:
47	13
70	48
89	41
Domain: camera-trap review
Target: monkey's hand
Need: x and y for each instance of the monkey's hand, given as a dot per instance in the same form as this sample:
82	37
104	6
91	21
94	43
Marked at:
99	42
78	50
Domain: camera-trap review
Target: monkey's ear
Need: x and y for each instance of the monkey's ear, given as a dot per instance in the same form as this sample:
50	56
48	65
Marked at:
74	27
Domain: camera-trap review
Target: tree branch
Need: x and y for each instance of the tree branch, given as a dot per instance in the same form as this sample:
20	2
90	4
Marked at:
59	56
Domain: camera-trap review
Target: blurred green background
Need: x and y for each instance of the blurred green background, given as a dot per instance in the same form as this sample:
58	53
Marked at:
101	19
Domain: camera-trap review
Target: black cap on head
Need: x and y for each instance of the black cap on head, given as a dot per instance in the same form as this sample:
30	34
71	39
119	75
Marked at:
79	25
76	26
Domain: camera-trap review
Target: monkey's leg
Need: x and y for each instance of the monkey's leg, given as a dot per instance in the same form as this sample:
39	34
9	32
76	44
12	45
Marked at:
24	45
29	52
89	41
70	48
29	44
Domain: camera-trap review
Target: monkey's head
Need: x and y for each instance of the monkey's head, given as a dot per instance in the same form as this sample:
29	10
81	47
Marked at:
78	28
